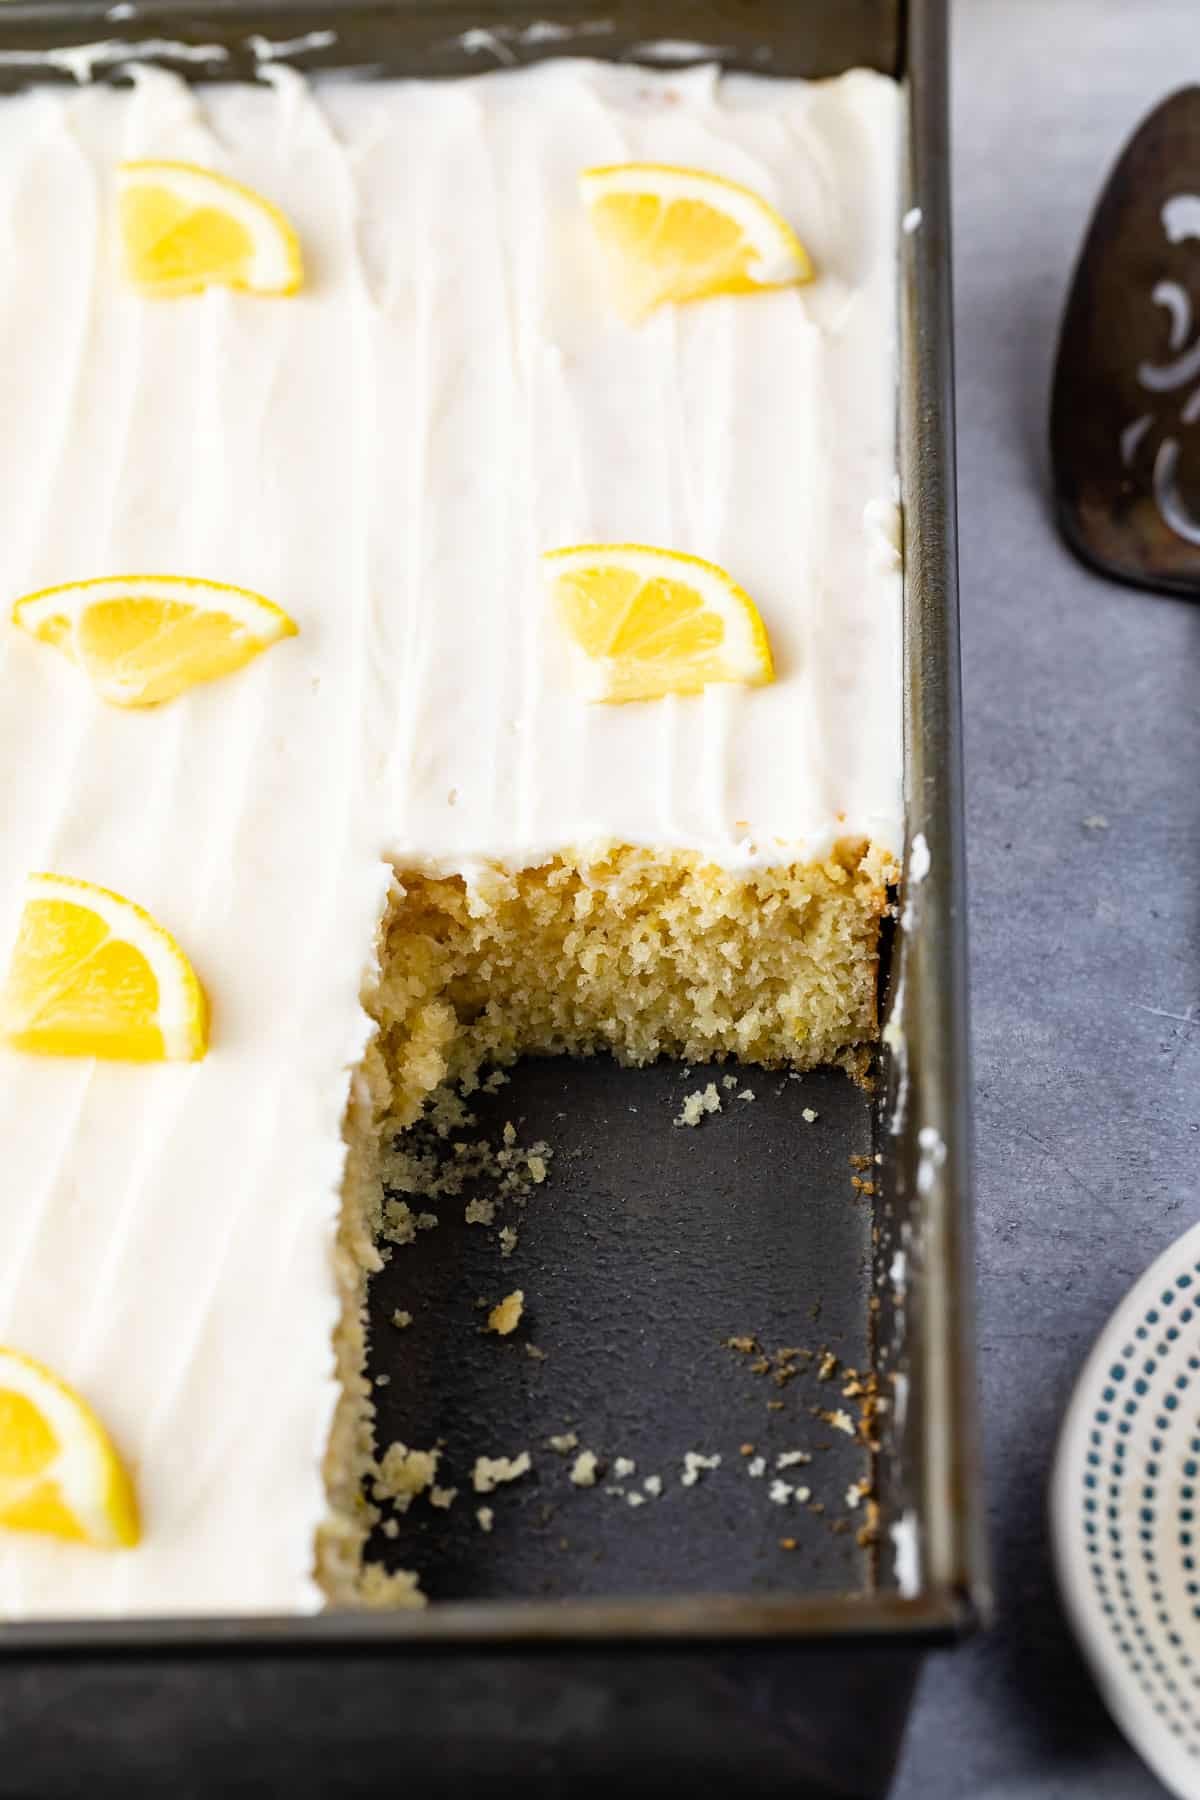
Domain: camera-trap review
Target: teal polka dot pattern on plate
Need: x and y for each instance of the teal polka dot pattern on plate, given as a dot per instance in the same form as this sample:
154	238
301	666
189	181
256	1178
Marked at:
1126	1515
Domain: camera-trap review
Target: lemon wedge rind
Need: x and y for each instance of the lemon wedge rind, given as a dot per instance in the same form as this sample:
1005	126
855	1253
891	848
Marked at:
180	1013
709	631
76	1485
272	264
696	257
144	673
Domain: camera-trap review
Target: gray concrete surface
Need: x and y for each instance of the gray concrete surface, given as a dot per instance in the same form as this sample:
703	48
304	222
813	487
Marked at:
1082	704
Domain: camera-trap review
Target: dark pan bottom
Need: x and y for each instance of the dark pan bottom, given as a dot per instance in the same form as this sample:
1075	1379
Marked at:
647	1248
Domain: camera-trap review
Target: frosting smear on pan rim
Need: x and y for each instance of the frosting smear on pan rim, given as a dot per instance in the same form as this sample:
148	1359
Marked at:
402	842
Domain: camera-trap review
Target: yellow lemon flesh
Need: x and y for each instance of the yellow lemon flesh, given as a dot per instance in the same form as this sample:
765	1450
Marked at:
643	622
59	1472
143	639
185	228
676	234
93	975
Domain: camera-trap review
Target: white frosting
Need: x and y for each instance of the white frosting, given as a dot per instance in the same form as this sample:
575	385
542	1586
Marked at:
384	456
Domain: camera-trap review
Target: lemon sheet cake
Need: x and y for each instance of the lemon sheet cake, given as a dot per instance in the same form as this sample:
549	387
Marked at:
402	819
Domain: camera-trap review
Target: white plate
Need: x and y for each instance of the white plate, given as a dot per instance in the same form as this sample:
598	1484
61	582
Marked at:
1125	1515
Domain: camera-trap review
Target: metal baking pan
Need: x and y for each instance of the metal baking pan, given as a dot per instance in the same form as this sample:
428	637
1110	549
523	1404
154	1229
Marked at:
572	1654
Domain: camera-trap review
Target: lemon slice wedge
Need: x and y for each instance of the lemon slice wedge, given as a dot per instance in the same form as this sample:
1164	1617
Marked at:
93	975
643	622
59	1472
185	228
680	234
142	639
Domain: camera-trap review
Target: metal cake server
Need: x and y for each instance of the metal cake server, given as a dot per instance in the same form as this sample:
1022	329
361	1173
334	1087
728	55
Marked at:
1125	413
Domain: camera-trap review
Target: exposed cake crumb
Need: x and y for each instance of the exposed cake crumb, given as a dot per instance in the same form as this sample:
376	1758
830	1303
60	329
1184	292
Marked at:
840	1420
432	1159
828	1366
868	1533
757	1467
401	1224
505	1317
490	1471
809	1116
585	1468
745	1449
783	1491
745	1346
403	1474
653	1485
704	1100
564	1442
856	1493
535	1355
381	1591
508	1240
617	1492
635	1499
486	1517
694	1464
390	1528
790	1459
623	1466
746	1094
401	1320
443	1497
382	1381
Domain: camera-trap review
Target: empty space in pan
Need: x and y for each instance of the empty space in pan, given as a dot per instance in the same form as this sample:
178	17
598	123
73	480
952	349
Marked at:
686	1289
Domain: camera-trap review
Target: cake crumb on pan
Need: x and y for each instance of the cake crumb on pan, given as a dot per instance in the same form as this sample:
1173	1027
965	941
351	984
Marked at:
585	1469
490	1471
694	1464
695	1106
403	1474
506	1316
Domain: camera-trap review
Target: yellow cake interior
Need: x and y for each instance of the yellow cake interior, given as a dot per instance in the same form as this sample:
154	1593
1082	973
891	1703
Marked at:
640	954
